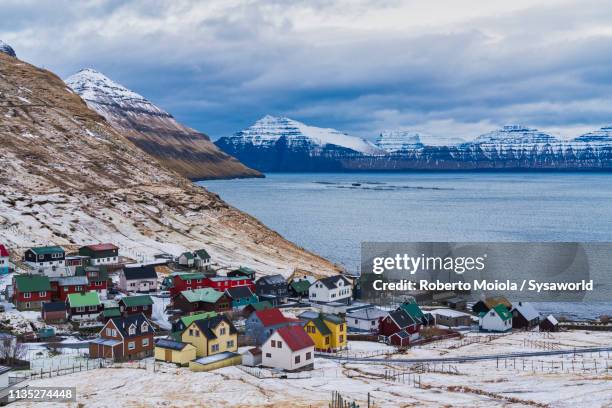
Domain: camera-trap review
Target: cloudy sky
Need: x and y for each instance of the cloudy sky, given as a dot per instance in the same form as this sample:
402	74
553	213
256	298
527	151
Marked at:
452	68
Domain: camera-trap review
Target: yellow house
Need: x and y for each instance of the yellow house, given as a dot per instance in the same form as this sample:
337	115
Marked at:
174	352
328	332
211	336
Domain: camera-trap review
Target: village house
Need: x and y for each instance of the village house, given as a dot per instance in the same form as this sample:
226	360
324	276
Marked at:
97	278
222	283
74	262
211	336
299	288
242	272
400	339
186	259
186	281
497	319
333	289
549	324
179	326
202	259
414	311
456	303
48	260
30	291
524	316
272	288
261	324
252	357
110	310
130	305
365	320
176	352
202	300
452	318
241	296
141	279
101	254
396	321
54	312
124	338
328	332
4	260
84	306
288	348
254	307
484	305
62	286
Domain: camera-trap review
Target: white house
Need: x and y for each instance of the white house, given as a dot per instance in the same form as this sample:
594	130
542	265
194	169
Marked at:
335	288
288	348
49	261
252	357
142	279
202	258
365	320
498	319
186	259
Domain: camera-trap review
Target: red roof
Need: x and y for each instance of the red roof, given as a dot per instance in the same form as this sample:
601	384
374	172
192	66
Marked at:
272	317
102	247
295	337
3	251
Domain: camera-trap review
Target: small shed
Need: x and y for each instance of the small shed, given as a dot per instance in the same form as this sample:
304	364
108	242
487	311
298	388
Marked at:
456	303
54	312
549	324
215	361
400	338
252	357
524	316
451	318
176	352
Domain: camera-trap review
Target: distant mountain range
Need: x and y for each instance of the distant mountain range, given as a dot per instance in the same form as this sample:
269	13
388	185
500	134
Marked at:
282	144
184	150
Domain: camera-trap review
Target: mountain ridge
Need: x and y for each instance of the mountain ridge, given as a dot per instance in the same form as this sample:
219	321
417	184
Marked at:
154	130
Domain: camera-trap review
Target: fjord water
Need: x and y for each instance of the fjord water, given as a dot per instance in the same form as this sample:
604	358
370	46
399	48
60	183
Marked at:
331	214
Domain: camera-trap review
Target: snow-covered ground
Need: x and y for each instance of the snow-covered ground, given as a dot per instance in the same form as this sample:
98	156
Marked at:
474	384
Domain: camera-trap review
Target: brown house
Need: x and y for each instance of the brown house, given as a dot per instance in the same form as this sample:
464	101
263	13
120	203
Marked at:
54	312
202	300
124	338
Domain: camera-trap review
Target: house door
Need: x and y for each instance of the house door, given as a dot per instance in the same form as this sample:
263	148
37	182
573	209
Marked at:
168	356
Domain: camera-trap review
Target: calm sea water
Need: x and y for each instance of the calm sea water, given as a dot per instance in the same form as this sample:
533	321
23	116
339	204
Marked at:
331	214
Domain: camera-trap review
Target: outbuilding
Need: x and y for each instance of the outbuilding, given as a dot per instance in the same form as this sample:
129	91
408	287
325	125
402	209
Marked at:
524	316
176	352
54	312
252	357
549	324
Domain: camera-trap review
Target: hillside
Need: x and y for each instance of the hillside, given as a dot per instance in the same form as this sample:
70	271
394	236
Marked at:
68	177
154	130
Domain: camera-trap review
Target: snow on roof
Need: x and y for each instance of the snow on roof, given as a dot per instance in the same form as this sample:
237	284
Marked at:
527	310
552	319
369	314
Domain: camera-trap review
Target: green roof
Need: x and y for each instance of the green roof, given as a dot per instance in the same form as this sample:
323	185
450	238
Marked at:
32	283
140	300
47	250
191	276
187	320
503	312
84	299
263	305
113	312
413	311
207	295
300	286
187	255
201	253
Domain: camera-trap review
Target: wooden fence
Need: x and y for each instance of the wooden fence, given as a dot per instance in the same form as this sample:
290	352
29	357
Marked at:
338	401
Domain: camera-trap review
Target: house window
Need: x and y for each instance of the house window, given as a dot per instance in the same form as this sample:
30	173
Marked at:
215	348
357	322
279	344
131	345
341	338
273	343
132	330
230	344
297	359
191	332
93	308
77	288
80	309
109	332
134	308
342	327
268	355
327	340
145	307
27	295
145	342
222	331
308	355
27	305
144	328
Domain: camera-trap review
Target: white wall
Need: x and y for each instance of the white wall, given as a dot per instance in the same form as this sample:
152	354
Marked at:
492	322
284	358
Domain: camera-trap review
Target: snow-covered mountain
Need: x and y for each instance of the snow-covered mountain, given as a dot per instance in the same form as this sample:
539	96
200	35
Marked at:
7	49
268	130
154	130
393	141
601	136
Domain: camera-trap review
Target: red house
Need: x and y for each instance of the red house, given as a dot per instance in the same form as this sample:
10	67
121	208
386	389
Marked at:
186	281
61	287
131	305
222	283
97	278
396	321
31	291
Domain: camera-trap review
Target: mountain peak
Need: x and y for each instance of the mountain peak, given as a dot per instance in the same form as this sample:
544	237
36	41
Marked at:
7	49
516	134
94	86
269	129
